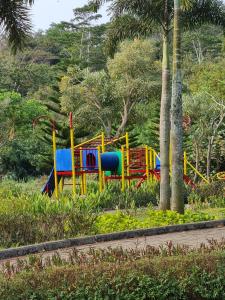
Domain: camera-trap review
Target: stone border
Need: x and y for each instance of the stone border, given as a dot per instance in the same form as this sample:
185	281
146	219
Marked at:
73	242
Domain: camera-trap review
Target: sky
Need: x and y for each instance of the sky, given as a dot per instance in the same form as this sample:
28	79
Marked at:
45	12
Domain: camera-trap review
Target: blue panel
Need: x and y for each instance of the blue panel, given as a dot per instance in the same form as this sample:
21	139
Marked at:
90	159
63	160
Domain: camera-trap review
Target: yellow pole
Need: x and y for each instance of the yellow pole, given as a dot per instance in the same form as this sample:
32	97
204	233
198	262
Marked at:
100	169
128	156
147	162
154	160
85	184
55	166
81	169
123	170
185	163
61	184
151	162
73	160
154	163
103	142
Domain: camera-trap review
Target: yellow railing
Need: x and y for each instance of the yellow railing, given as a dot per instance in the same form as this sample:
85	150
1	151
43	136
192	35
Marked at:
197	172
186	163
115	140
220	175
87	142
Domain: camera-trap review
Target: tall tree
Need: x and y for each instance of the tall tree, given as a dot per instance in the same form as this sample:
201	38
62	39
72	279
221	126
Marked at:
14	17
213	11
137	17
177	200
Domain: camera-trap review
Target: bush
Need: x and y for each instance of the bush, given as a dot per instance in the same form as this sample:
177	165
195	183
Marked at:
112	197
27	217
154	273
207	193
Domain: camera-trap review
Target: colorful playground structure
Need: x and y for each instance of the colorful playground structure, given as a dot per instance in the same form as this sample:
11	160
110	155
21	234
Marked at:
100	158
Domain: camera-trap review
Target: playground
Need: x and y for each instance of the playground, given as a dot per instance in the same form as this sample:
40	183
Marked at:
117	191
108	160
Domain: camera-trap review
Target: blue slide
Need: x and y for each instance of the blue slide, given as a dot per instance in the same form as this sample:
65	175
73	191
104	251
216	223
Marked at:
49	187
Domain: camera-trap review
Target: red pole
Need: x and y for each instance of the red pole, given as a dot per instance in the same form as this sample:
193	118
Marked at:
71	120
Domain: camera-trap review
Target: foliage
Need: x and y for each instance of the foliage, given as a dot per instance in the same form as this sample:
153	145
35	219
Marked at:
110	97
14	18
167	272
112	197
27	217
211	194
20	151
120	221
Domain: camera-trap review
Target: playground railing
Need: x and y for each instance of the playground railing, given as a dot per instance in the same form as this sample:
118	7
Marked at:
197	172
115	140
87	142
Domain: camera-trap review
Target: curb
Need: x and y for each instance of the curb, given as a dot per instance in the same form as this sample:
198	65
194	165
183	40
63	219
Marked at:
73	242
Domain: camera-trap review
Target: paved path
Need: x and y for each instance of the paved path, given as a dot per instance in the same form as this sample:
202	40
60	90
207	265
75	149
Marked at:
192	238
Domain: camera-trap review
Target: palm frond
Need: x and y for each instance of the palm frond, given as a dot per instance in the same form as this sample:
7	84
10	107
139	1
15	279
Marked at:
96	4
30	2
204	11
124	27
14	18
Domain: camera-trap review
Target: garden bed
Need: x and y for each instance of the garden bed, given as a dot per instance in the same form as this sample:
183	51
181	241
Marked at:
169	272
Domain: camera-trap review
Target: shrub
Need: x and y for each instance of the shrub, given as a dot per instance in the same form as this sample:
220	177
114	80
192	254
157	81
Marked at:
112	197
154	273
207	192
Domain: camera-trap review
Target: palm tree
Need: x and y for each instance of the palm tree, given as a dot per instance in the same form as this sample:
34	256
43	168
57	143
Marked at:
136	18
211	11
14	18
177	202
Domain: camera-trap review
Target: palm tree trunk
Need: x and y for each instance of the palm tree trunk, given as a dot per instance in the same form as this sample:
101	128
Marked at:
177	187
164	202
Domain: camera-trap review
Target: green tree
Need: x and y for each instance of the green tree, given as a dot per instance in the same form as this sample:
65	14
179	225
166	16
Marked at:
109	98
205	104
20	149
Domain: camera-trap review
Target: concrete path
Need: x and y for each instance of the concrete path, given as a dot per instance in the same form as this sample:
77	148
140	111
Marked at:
192	238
